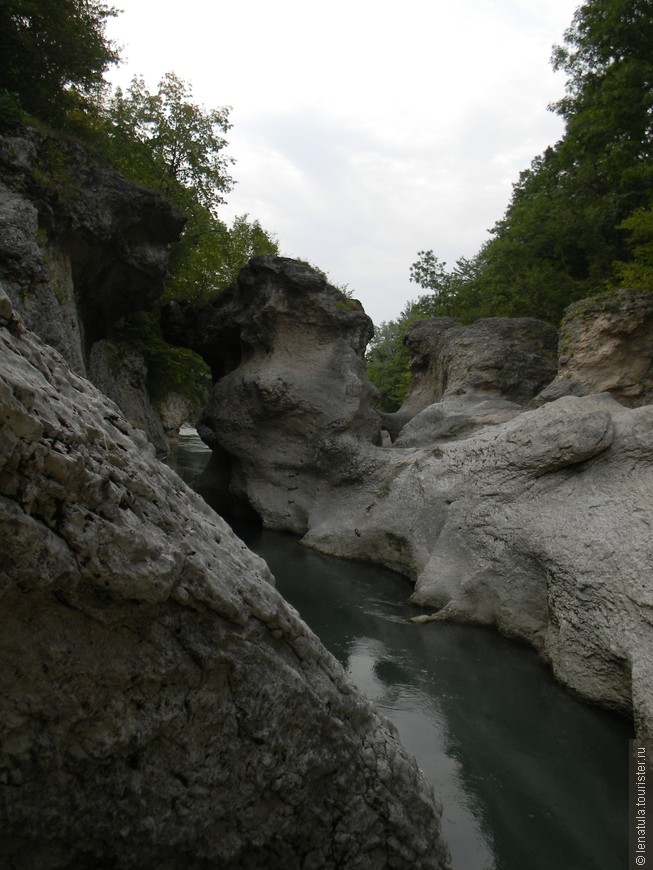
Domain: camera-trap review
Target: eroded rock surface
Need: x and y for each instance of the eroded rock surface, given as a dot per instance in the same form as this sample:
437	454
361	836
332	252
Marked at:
120	372
291	405
160	705
80	248
606	345
537	521
467	377
540	526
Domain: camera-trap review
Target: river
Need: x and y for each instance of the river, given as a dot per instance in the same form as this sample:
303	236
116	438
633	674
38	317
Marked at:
530	777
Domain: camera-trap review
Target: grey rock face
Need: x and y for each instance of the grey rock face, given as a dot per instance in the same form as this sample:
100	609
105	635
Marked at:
606	345
173	410
291	405
160	705
120	373
536	521
80	248
38	278
469	377
455	417
540	526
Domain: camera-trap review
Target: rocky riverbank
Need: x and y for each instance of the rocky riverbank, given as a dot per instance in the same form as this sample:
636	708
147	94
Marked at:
507	501
161	705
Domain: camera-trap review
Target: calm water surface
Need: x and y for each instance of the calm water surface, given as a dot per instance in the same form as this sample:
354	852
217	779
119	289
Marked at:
530	778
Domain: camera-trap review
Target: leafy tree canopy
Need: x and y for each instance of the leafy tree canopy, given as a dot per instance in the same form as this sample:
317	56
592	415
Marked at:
576	216
54	53
169	142
580	219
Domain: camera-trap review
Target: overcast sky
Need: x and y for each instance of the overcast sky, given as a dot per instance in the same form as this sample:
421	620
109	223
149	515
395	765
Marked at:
364	130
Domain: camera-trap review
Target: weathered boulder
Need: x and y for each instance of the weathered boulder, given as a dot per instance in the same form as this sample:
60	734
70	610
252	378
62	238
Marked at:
161	706
291	405
540	526
174	410
80	248
455	417
468	377
606	345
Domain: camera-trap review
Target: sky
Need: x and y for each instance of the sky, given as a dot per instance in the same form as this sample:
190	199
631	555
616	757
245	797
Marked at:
364	131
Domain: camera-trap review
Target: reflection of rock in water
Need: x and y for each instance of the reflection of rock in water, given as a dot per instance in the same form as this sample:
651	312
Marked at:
390	672
488	724
189	456
535	521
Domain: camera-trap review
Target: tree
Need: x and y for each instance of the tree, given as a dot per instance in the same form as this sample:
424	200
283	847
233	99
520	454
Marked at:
170	143
211	254
565	232
54	53
388	364
429	272
608	58
167	142
637	271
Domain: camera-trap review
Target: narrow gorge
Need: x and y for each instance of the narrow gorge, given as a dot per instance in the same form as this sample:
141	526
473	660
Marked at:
516	493
161	705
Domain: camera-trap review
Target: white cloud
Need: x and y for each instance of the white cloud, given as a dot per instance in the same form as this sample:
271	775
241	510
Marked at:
365	131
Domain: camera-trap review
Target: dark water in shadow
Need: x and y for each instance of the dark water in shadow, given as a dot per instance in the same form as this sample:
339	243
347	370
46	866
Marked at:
530	777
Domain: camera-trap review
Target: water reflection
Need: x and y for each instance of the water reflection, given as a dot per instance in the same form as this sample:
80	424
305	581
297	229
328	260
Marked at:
530	778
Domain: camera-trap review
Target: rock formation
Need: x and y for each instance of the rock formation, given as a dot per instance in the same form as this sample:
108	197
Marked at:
534	520
161	706
606	345
468	377
540	526
291	404
120	372
174	410
80	248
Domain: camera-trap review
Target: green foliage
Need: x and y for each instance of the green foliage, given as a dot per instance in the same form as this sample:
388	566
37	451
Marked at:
166	142
565	235
11	113
388	358
169	368
54	53
387	361
210	255
637	272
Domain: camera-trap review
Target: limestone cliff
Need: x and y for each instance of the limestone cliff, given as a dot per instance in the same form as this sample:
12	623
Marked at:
291	403
161	706
467	377
606	345
80	248
534	520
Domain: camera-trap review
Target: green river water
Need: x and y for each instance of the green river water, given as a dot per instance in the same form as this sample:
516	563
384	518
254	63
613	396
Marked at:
530	777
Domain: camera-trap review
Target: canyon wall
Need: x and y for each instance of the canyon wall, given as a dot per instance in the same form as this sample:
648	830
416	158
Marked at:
513	495
161	706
